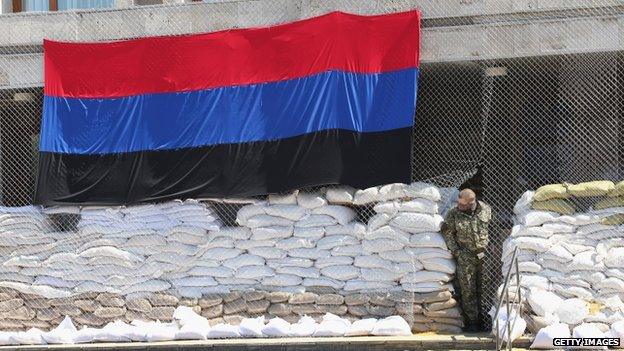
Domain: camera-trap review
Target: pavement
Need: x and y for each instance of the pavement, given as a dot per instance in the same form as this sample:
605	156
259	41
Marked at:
423	341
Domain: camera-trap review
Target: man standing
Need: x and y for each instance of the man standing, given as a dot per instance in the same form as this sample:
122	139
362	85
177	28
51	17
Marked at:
465	231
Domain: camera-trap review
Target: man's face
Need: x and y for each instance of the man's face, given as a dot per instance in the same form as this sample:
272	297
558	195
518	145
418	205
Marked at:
466	204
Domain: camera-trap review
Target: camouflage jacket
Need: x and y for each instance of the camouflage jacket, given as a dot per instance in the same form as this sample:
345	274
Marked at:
467	232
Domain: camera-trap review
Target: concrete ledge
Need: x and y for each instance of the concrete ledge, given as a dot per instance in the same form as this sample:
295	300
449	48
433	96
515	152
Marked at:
428	341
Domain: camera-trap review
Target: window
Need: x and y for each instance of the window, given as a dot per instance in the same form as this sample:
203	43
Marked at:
54	5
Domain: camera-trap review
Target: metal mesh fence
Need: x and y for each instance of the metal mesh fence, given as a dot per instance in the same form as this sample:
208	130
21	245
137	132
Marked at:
512	95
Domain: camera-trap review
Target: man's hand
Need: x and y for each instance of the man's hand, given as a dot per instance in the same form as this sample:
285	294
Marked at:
480	255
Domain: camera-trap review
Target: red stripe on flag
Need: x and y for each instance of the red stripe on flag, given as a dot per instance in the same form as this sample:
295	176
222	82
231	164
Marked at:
336	41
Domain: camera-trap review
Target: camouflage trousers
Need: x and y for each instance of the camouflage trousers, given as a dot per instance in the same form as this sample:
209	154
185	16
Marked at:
469	278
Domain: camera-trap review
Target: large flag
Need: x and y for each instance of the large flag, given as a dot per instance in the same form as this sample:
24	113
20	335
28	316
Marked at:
327	100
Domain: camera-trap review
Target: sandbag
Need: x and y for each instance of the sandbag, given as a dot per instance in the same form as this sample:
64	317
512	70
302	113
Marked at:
417	222
251	327
545	336
342	214
276	327
311	200
362	327
572	311
341	272
551	191
543	302
366	196
392	326
306	326
223	331
290	212
609	202
64	333
524	202
423	191
332	325
555	205
595	188
340	195
378	221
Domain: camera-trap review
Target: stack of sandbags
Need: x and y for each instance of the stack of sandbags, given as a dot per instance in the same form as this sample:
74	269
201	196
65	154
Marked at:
571	262
300	240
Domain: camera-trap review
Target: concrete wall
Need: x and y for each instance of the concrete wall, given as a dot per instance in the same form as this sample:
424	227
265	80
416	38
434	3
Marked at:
452	30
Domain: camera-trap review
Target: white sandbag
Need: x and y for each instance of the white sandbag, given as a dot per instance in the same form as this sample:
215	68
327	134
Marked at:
615	258
537	218
154	285
617	331
522	230
340	195
329	261
517	324
359	285
86	335
189	239
372	261
342	214
377	221
434	240
426	287
572	311
342	273
444	265
32	336
306	326
557	253
311	253
389	232
362	327
272	232
251	327
424	191
545	336
221	254
313	233
282	280
265	220
425	276
366	196
380	274
348	250
524	203
392	326
332	325
381	245
543	302
323	282
310	272
119	331
425	253
310	200
249	211
417	222
267	253
248	244
193	281
276	327
289	212
192	331
354	228
64	333
531	243
390	208
420	206
221	272
5	338
223	331
244	260
290	262
283	199
316	220
589	330
294	243
586	260
109	251
234	233
254	272
42	290
329	242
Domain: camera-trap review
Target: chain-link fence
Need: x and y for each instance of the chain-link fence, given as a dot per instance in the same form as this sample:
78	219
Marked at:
511	96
